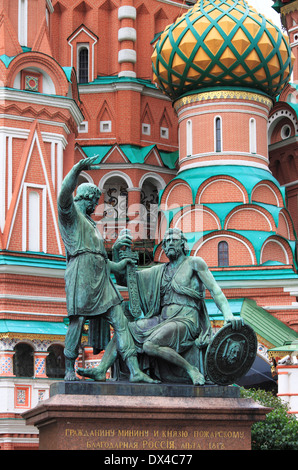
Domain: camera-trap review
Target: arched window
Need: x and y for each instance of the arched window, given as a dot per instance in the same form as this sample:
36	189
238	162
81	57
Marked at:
223	254
23	360
55	362
218	135
252	136
83	65
189	137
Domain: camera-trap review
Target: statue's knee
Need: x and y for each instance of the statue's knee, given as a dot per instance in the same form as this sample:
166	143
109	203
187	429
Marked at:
148	347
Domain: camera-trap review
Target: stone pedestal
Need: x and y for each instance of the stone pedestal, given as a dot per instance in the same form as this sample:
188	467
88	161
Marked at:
140	417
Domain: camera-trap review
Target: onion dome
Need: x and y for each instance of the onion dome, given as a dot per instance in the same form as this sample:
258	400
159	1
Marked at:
220	43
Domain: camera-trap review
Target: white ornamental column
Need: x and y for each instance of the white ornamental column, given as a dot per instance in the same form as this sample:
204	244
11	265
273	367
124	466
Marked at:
127	36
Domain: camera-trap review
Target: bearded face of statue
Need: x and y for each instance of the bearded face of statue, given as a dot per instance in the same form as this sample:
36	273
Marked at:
173	246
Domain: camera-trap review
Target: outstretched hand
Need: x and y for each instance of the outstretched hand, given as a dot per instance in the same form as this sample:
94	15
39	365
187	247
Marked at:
87	164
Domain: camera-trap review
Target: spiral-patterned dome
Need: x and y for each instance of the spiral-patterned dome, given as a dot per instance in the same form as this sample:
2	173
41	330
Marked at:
222	43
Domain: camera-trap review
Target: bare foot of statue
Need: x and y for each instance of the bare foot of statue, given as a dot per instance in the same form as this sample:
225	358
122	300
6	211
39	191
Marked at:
70	376
94	374
141	377
196	376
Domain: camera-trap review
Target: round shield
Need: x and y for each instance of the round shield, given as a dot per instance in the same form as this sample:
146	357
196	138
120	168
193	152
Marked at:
230	354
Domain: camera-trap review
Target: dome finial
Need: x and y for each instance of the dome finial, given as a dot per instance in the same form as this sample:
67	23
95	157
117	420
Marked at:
220	43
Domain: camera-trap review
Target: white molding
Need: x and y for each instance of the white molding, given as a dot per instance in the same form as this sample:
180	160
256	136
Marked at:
93	38
225	180
221	107
44	100
272	240
222	162
127	73
127	11
225	235
23	22
23	183
258	185
244	208
127	34
127	55
113	174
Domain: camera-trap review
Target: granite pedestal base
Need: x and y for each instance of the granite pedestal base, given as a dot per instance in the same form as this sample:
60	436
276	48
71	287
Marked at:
107	416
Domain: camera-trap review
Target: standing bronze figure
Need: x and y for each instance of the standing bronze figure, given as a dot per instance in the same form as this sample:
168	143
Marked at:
90	292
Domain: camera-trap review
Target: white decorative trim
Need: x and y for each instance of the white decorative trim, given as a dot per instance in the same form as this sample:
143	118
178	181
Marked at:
127	12
127	73
189	147
217	118
23	22
225	180
50	6
2	179
105	126
36	140
227	236
272	240
172	188
113	174
186	211
278	116
155	176
146	129
44	100
127	55
221	107
287	224
94	39
26	186
127	34
268	187
222	163
248	209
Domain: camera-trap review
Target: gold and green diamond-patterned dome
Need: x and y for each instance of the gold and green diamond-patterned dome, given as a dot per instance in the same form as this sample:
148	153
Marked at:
222	43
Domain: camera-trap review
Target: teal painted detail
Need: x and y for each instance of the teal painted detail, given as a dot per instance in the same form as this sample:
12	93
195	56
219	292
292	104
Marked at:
136	154
32	327
100	150
169	158
109	79
6	59
214	312
223	209
228	274
266	325
249	177
24	259
67	71
133	153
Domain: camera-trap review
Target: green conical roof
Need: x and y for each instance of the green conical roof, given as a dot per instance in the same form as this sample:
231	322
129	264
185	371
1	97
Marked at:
222	43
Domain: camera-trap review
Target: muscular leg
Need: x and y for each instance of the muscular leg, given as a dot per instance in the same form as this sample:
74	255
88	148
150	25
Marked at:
157	346
72	342
99	373
125	347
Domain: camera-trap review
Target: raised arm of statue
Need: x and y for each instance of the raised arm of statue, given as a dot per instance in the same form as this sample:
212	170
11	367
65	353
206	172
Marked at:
70	181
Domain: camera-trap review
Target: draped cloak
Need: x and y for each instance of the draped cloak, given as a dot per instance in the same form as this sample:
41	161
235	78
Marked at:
190	310
150	292
90	291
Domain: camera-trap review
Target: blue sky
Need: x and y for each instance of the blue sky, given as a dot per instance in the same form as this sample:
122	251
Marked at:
265	7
